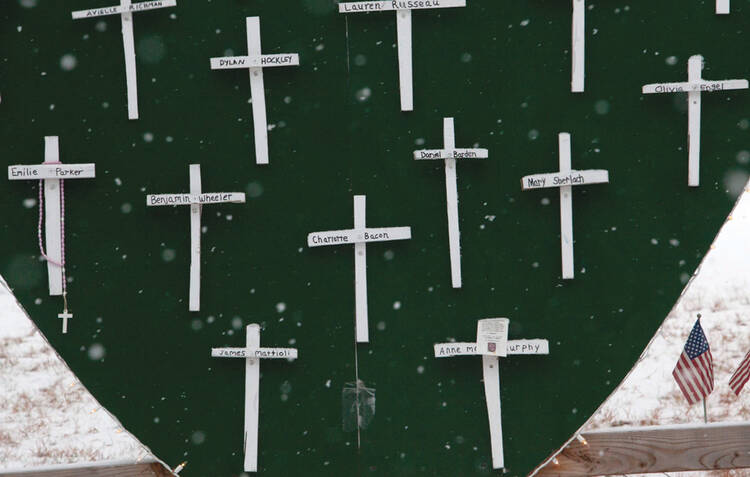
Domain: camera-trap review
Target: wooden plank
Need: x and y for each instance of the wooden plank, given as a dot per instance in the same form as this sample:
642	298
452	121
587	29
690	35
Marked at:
566	209
360	273
128	44
654	449
579	44
53	219
491	378
403	34
722	7
257	92
195	240
252	397
151	469
695	65
451	200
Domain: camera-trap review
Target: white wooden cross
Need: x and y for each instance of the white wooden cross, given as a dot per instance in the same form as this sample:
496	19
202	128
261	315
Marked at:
252	354
255	62
565	179
450	153
126	9
52	171
578	55
360	235
722	7
491	378
694	86
403	10
196	199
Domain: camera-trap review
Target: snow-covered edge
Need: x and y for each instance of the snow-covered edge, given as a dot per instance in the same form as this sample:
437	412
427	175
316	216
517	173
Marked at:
578	432
150	458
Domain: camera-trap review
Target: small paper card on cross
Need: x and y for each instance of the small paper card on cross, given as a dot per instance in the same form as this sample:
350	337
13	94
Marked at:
196	199
255	61
252	353
126	9
403	10
359	236
694	86
495	329
450	154
51	173
565	179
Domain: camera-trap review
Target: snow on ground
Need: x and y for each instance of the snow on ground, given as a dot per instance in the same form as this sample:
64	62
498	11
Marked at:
46	415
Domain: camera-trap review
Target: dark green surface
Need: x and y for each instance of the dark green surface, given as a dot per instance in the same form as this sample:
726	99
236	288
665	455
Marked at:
500	80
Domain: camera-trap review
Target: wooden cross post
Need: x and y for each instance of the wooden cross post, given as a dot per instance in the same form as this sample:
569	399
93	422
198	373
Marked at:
565	179
403	10
255	62
491	376
126	10
252	354
694	86
722	7
578	56
52	171
196	199
360	235
449	154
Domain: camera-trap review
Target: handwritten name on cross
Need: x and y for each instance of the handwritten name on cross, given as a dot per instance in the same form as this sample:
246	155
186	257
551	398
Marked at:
694	86
252	353
449	154
491	378
403	10
565	179
196	200
126	10
360	235
52	171
255	62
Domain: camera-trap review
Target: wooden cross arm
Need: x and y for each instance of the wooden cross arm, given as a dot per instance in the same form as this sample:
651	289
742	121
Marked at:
352	236
558	179
446	350
383	6
703	86
260	353
114	10
52	171
257	61
189	199
457	153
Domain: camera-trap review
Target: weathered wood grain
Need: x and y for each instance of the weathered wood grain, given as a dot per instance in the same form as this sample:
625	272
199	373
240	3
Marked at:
153	469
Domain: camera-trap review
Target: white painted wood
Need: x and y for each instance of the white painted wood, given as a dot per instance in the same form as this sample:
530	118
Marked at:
566	209
558	179
65	316
265	353
447	350
695	66
360	272
359	236
451	196
52	219
118	9
722	7
384	6
128	43
257	91
449	154
49	171
694	87
126	10
565	179
579	41
195	240
259	61
491	378
253	353
403	10
196	199
252	400
403	33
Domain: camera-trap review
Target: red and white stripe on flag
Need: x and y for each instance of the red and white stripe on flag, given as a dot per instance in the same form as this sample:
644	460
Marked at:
694	371
741	375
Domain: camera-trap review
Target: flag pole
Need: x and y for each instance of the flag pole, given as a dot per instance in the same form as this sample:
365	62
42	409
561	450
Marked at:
705	415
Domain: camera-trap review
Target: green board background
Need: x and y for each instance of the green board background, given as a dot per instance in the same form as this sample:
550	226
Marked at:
501	81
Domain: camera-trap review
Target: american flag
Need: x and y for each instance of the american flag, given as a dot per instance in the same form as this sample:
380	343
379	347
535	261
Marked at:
739	378
694	371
